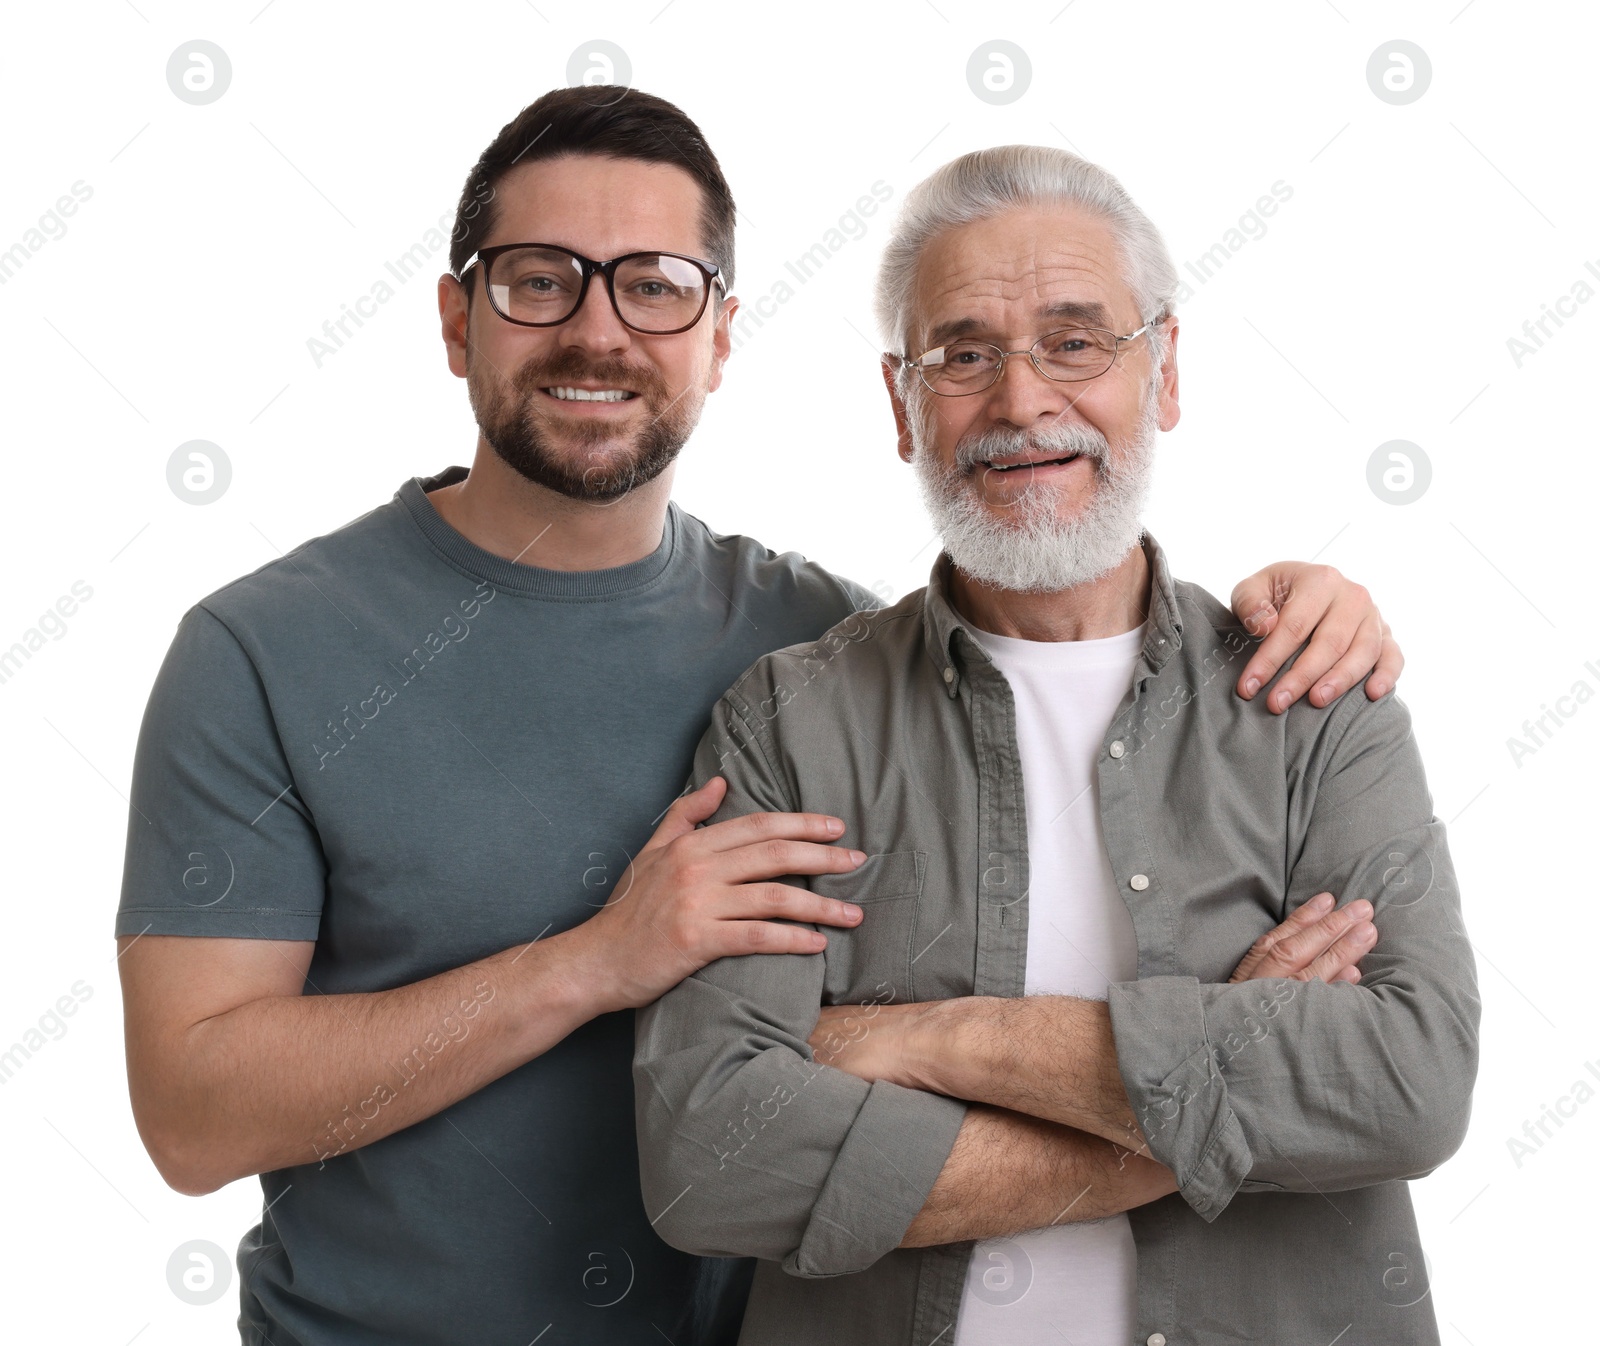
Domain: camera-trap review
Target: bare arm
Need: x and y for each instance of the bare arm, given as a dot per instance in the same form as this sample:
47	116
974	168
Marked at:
233	1071
1054	1057
1051	1058
1008	1172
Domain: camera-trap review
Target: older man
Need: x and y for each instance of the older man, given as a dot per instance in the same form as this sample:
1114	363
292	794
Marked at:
1041	1103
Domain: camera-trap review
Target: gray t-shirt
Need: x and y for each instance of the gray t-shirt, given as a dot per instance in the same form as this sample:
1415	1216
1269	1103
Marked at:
416	753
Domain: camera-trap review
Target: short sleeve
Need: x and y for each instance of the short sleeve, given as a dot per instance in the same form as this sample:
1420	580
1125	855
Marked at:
219	841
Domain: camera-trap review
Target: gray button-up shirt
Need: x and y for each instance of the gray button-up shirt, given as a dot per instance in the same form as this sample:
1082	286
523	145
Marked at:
1290	1112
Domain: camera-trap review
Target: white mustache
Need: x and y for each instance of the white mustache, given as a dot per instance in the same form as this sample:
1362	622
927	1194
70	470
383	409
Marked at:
998	442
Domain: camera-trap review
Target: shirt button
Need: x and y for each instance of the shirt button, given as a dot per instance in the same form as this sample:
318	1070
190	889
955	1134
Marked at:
1155	1339
949	675
1139	883
1117	749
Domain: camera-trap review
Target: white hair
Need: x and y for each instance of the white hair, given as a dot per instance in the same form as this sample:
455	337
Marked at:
985	183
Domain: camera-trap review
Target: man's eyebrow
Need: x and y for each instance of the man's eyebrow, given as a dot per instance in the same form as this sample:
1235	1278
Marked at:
951	329
1089	312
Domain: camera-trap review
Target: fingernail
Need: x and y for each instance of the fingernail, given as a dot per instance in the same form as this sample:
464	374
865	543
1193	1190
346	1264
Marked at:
856	857
1252	686
851	910
1326	691
1322	901
1360	909
835	826
1367	933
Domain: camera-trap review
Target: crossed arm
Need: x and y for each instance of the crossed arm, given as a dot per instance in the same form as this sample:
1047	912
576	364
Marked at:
1051	1137
1349	1086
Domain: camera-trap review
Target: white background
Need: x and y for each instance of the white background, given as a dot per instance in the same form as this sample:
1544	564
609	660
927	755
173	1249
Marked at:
1377	306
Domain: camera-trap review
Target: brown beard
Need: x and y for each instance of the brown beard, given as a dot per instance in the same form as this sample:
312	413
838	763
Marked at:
509	423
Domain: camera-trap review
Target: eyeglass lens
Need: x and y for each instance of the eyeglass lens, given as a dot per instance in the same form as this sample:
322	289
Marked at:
655	292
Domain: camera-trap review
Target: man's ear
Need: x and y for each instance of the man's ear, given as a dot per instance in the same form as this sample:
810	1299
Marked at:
453	323
722	341
1169	379
902	424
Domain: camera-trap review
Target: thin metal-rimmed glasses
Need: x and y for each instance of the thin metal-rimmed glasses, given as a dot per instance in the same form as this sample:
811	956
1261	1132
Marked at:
1070	355
542	285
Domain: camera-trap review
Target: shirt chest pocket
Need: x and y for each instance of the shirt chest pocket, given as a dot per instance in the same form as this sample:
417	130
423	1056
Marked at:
874	961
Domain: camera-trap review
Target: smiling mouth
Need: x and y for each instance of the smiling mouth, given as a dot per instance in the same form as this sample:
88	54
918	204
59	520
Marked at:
1042	462
591	394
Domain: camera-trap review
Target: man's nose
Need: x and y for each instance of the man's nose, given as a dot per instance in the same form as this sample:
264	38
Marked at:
1025	398
595	328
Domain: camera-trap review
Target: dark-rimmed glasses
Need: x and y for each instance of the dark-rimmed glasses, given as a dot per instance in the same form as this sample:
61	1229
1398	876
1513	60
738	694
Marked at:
542	285
1070	355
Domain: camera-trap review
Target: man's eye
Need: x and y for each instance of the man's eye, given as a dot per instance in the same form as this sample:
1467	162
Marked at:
655	289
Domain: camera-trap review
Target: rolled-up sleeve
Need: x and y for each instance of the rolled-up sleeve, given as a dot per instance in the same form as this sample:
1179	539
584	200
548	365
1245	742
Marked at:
1303	1086
748	1147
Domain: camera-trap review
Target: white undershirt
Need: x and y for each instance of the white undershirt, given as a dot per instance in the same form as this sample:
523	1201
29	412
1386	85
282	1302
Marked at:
1070	1282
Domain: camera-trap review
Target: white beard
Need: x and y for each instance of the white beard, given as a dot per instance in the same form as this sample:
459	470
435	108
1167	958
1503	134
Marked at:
1031	550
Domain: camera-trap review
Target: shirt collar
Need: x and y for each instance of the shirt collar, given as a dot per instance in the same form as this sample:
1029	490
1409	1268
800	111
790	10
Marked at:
951	656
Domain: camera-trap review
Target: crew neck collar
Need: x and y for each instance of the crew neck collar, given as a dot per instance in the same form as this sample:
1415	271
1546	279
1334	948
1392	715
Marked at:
535	581
1124	646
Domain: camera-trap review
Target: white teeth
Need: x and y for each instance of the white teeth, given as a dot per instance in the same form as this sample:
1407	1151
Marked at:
590	394
1043	462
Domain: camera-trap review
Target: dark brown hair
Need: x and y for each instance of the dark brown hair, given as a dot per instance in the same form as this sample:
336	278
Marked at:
606	120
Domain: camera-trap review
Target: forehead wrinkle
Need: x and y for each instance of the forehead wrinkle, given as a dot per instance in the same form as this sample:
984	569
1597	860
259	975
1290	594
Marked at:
1012	277
1038	274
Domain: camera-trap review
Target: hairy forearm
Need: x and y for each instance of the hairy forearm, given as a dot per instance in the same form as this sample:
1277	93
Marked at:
1051	1057
288	1080
1008	1172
